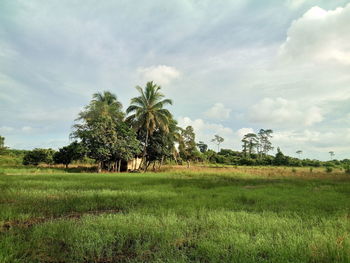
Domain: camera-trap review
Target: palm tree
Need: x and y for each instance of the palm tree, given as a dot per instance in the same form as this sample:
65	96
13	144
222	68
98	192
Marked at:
103	104
331	153
148	113
299	152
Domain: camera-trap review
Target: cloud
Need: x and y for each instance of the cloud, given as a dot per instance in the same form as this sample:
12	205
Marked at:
218	112
314	143
6	129
160	74
294	4
205	131
279	111
243	131
319	36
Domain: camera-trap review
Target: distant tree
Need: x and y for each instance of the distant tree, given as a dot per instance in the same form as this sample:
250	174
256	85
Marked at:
250	142
202	146
2	145
187	145
148	113
37	156
264	144
331	153
217	140
280	158
299	152
67	154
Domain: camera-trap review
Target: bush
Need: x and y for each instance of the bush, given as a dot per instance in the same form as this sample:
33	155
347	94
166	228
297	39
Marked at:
347	169
329	169
37	156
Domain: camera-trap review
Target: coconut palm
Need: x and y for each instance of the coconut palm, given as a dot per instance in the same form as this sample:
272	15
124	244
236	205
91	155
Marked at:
148	113
102	104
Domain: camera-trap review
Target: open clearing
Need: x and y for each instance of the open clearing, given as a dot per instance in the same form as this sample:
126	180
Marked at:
208	215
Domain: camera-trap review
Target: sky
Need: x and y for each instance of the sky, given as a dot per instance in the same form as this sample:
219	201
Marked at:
231	67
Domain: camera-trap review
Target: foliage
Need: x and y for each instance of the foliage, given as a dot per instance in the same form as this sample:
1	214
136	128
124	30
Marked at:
38	155
217	140
147	112
187	147
103	133
202	146
2	145
67	154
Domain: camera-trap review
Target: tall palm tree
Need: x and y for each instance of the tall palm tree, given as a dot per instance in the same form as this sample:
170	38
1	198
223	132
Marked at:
105	103
148	113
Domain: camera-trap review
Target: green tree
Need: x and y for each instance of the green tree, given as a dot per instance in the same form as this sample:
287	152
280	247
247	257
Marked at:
127	146
299	152
147	113
102	132
280	158
264	144
2	145
202	146
106	104
217	140
37	156
250	142
187	146
67	154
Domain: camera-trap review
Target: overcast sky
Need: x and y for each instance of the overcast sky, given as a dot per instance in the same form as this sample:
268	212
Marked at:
231	67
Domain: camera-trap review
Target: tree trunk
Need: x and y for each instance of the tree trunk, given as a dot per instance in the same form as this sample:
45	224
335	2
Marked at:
115	166
67	165
161	162
119	165
143	161
99	167
147	165
188	164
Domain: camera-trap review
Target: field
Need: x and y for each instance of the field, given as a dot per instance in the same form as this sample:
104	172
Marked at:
179	215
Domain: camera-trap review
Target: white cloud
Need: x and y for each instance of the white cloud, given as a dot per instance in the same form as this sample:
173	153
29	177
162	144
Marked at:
283	112
243	131
27	129
218	112
313	142
6	129
160	74
205	131
319	36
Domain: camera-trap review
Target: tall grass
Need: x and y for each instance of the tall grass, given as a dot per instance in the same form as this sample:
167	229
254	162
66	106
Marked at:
204	215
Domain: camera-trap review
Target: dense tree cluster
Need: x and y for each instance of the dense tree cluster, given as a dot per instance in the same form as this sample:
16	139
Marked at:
106	134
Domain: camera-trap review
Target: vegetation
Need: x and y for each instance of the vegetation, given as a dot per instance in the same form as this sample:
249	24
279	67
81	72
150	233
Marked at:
37	156
147	114
66	155
199	215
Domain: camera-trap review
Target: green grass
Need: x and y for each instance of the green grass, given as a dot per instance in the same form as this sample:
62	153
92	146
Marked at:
224	216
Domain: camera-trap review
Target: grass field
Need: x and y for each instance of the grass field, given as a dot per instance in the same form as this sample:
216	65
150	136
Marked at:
200	215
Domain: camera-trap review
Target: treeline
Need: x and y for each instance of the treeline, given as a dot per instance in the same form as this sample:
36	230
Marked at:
107	135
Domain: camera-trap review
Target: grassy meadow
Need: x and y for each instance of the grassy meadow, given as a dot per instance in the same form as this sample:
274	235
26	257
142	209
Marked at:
237	214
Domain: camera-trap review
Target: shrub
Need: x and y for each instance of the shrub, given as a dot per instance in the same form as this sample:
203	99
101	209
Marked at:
329	169
347	169
37	156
